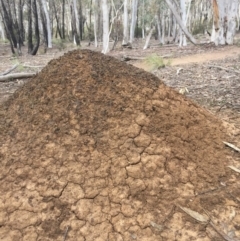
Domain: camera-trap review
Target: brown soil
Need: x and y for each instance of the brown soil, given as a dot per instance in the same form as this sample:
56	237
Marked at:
95	149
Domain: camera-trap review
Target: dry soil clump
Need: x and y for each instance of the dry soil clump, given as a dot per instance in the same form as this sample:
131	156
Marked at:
95	149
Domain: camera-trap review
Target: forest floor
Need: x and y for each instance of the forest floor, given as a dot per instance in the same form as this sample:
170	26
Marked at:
208	75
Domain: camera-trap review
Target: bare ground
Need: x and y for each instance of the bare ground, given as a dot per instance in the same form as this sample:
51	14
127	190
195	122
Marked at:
215	89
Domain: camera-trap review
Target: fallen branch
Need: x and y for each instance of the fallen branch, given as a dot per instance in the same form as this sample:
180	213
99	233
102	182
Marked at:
232	146
9	70
10	77
128	58
31	66
222	68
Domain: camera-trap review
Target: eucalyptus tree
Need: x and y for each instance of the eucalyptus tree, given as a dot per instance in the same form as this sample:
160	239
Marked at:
48	26
180	22
133	19
10	12
125	23
96	21
75	23
2	32
105	17
224	24
33	15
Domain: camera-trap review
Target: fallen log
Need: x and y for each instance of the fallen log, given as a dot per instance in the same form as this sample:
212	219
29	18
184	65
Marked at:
11	77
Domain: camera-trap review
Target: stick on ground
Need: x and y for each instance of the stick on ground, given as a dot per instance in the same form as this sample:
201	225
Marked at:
11	77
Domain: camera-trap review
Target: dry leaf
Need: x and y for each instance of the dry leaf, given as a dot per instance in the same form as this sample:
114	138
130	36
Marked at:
195	215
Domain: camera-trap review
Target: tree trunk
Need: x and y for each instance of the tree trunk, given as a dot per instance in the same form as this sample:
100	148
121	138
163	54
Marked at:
48	25
133	20
105	15
231	23
44	28
37	36
163	28
224	24
9	25
148	38
125	23
7	32
158	27
75	23
20	19
143	22
30	43
2	33
63	19
183	41
182	25
57	20
95	23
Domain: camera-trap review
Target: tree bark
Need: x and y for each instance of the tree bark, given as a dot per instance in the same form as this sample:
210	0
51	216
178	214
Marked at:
224	24
57	20
105	15
183	41
75	23
2	30
148	38
37	35
125	23
133	20
95	23
30	43
20	17
63	19
48	25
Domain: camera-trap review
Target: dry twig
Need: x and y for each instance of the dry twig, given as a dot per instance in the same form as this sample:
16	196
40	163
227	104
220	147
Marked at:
9	70
65	234
232	146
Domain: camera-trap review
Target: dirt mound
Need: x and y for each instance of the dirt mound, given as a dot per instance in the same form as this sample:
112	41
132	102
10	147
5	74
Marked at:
95	149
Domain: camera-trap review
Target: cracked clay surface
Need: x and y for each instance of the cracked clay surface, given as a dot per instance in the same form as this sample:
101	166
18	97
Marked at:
97	149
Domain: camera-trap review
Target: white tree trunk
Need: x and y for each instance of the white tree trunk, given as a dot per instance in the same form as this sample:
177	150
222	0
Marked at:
125	23
169	24
148	38
224	25
44	4
183	41
133	20
163	28
76	18
143	22
182	25
105	15
232	16
158	26
2	33
95	12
